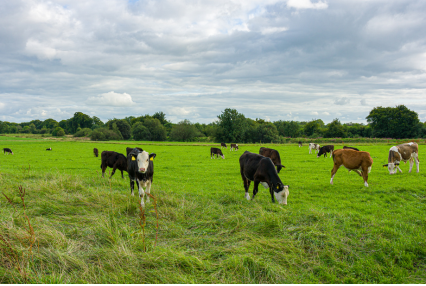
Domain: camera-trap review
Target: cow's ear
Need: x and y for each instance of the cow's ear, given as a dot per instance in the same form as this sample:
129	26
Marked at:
152	156
282	166
133	157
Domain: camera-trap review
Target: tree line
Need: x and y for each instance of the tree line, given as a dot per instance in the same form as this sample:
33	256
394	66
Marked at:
231	126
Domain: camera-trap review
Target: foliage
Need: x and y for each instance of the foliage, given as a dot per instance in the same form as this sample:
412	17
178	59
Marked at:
232	126
287	128
266	133
122	127
85	132
335	129
58	131
104	134
140	132
313	126
158	131
184	131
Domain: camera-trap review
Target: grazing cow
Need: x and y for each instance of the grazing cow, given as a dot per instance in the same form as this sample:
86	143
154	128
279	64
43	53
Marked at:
49	149
261	170
128	150
325	149
300	144
353	148
222	145
358	161
216	151
314	146
7	150
113	160
403	152
234	146
274	155
96	152
141	169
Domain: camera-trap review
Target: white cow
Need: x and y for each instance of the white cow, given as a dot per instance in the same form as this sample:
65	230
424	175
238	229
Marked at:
403	152
314	146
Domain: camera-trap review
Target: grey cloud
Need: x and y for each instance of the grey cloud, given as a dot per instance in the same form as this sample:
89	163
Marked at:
342	101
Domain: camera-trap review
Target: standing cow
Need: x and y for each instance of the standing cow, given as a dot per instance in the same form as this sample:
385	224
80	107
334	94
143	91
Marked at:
261	170
274	155
96	152
234	146
300	144
353	148
222	145
314	146
325	149
7	150
217	152
140	167
403	152
113	160
358	161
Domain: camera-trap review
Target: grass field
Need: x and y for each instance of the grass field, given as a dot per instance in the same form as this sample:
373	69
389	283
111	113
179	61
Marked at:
86	229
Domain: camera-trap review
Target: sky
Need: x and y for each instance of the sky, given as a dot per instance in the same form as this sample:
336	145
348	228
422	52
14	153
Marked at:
276	60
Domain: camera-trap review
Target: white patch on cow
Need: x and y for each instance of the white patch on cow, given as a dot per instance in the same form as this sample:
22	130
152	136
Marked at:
369	170
366	184
143	162
394	148
265	185
223	156
282	196
141	193
411	143
247	196
331	181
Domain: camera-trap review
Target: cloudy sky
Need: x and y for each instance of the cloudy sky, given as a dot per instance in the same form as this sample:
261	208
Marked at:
288	60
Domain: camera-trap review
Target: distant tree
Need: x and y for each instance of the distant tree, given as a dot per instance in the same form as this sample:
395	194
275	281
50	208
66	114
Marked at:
232	126
394	122
158	131
287	128
58	131
79	120
50	123
184	131
122	125
140	132
266	132
251	131
160	116
335	129
97	122
4	127
313	127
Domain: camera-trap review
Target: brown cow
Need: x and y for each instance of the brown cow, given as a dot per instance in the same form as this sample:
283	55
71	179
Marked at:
403	152
96	152
358	161
274	155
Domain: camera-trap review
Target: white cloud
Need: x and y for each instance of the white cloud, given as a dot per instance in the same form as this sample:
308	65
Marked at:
306	4
325	113
179	111
313	113
271	30
111	99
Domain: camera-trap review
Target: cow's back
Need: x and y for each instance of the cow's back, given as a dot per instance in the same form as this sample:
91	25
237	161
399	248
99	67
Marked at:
249	162
352	159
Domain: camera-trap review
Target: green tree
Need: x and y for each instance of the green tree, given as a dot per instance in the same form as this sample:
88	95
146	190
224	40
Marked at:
394	122
184	131
158	131
140	132
58	131
122	126
50	123
313	127
232	126
79	120
266	132
335	129
287	128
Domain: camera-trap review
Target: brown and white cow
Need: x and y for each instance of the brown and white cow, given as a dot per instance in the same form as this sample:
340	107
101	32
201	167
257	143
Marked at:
358	161
234	146
314	146
403	152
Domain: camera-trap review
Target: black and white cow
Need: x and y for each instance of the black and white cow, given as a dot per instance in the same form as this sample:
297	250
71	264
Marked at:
325	149
222	145
403	152
140	167
7	150
314	146
300	144
234	146
129	149
49	149
261	170
217	152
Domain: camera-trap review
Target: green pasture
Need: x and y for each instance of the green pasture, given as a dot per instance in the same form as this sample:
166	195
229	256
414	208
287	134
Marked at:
86	228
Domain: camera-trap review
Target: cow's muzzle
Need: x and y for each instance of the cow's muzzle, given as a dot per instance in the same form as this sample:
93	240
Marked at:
142	170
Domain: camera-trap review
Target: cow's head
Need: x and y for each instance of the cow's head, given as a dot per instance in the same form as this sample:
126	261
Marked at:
142	159
321	152
281	193
279	167
391	167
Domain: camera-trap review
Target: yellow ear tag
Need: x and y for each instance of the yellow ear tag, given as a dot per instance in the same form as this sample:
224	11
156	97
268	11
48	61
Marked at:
152	158
278	187
133	158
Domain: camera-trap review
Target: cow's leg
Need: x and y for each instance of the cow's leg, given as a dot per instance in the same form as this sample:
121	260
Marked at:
255	188
272	193
365	175
141	193
132	186
358	172
113	171
103	170
246	185
416	160
397	167
333	172
411	163
148	189
122	174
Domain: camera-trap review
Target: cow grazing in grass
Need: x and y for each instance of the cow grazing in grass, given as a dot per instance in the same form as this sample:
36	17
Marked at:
140	167
300	144
217	152
129	149
96	152
234	146
353	148
314	146
222	145
274	155
358	161
403	152
7	150
49	149
261	170
113	160
325	149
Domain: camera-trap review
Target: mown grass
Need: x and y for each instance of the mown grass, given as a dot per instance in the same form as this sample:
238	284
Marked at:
87	228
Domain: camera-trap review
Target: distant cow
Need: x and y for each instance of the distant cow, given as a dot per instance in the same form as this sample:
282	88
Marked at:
96	152
403	152
222	145
325	149
49	149
128	150
274	155
300	144
113	160
217	152
346	147
141	169
7	150
314	146
234	146
358	161
261	170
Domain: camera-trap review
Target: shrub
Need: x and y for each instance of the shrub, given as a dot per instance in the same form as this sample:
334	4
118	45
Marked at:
140	132
58	131
104	134
85	132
